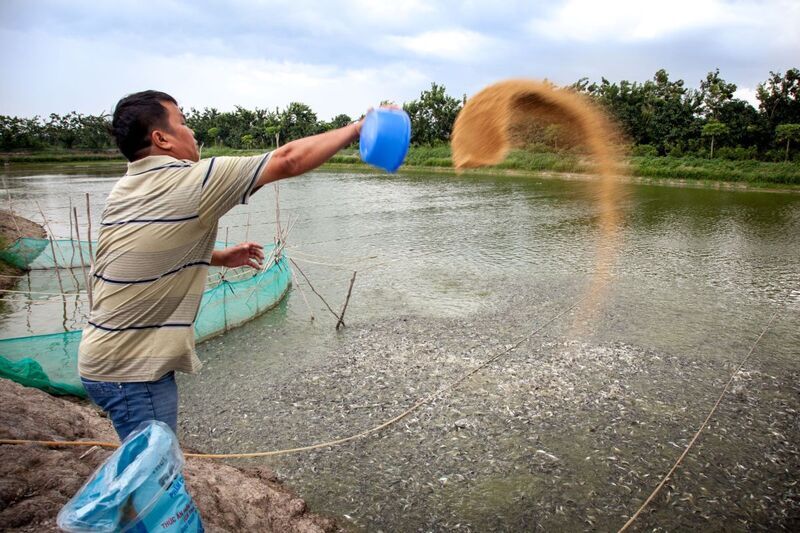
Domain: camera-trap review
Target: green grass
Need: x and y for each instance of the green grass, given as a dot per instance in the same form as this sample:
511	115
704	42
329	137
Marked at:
439	157
217	151
60	157
692	168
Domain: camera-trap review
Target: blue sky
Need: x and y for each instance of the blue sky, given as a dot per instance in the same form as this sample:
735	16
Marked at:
59	56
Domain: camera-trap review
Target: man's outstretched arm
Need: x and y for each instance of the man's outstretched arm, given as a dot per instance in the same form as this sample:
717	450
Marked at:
300	156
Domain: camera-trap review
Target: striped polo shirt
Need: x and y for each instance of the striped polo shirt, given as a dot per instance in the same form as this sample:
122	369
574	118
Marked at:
156	237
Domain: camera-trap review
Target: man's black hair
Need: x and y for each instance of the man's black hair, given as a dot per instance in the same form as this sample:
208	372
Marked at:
135	117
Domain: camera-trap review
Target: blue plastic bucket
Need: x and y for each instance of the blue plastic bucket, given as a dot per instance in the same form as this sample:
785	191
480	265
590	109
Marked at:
385	135
138	489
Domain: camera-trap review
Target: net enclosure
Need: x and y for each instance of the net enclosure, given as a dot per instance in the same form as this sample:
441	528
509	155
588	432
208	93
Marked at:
50	362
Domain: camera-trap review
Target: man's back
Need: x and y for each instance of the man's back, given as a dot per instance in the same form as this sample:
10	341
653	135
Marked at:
156	239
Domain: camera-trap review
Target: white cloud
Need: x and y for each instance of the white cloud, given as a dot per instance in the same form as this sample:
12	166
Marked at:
748	95
328	89
195	80
641	20
389	14
340	57
448	44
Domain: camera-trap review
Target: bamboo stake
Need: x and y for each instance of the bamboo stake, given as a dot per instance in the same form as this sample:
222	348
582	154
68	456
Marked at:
72	242
315	291
224	305
64	312
11	207
89	231
278	210
52	247
83	263
346	300
224	268
52	234
30	297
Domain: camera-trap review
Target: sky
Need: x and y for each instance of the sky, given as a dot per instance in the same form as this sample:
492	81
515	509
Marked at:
346	56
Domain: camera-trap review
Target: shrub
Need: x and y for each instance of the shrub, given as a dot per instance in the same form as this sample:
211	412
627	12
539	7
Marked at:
644	150
737	154
675	151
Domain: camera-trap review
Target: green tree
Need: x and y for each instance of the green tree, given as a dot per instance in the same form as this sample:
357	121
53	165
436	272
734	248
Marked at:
788	133
22	133
297	121
93	132
247	140
715	93
779	98
714	129
62	130
202	122
273	134
553	133
213	134
340	121
745	127
432	116
659	112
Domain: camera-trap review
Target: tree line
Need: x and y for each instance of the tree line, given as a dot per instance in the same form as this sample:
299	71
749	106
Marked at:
658	117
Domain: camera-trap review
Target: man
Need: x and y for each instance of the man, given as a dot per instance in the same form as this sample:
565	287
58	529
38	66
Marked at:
155	245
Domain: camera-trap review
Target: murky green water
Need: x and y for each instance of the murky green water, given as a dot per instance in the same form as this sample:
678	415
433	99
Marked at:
571	430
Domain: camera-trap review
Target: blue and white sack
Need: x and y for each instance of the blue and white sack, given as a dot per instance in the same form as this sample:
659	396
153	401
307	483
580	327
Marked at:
138	489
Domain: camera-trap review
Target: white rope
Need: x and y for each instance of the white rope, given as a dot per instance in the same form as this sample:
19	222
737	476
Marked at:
700	430
11	291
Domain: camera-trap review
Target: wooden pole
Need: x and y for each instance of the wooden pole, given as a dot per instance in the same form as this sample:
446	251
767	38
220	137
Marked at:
11	208
60	285
346	300
224	268
89	231
50	231
67	266
315	291
30	299
83	263
278	212
72	242
52	247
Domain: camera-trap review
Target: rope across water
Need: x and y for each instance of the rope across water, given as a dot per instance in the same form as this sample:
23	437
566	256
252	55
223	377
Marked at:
428	399
343	440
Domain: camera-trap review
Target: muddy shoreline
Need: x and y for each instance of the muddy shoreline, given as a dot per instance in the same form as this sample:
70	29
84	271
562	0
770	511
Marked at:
35	482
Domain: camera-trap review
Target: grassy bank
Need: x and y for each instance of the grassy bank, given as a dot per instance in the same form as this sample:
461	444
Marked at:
675	168
438	157
64	156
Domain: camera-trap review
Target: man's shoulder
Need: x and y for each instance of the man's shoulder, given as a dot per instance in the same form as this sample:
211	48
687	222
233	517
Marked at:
156	163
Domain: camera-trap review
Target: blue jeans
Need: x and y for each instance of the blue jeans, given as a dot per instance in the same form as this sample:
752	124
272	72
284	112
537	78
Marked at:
130	404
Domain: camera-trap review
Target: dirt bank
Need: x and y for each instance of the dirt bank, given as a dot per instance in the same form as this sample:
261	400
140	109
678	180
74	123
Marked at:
35	482
13	227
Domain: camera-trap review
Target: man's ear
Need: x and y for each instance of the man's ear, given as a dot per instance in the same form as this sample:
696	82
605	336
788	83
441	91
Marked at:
160	140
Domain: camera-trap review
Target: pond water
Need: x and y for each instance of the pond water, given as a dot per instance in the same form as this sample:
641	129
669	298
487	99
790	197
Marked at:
569	430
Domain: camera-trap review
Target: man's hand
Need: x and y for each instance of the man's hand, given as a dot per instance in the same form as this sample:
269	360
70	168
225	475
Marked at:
246	254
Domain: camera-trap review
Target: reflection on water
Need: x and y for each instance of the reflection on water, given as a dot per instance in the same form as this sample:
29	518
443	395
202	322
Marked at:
688	278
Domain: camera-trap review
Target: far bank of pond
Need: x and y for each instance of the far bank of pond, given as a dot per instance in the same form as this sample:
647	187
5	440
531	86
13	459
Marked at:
670	170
